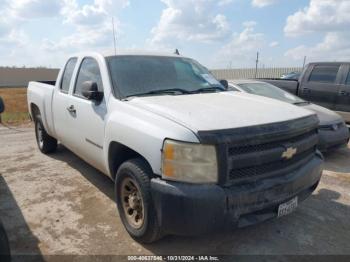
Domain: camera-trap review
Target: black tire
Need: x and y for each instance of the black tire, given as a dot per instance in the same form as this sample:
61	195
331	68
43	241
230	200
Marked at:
139	172
5	254
46	143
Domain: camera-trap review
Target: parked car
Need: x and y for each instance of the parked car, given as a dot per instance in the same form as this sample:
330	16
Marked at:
325	84
291	75
187	156
333	131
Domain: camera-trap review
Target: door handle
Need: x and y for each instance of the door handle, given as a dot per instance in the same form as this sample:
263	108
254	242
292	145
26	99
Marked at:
306	90
343	93
71	109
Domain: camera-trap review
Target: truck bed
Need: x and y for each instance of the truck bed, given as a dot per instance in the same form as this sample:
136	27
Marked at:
51	83
40	94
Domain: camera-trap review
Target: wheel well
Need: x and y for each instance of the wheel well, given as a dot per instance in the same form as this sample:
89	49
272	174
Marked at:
34	109
118	154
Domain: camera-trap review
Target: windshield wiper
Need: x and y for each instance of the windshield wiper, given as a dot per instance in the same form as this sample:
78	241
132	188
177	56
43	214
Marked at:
174	91
301	103
163	91
209	89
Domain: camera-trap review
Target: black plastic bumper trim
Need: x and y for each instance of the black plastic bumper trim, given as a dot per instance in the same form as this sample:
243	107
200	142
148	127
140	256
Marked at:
187	209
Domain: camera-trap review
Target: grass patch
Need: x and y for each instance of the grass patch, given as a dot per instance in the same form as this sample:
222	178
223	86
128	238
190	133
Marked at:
16	109
15	117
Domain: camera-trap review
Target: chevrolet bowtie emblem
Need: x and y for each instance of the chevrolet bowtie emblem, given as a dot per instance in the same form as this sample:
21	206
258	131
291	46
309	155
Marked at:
289	153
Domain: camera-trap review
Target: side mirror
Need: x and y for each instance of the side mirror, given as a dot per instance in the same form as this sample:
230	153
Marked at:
2	105
224	83
90	91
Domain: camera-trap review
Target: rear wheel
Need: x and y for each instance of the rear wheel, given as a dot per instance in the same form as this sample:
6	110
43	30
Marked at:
46	143
134	201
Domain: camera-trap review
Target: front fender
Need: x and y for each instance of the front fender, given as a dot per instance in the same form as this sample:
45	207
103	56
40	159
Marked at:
143	132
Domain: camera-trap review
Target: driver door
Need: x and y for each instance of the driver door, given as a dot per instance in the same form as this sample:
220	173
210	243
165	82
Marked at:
87	117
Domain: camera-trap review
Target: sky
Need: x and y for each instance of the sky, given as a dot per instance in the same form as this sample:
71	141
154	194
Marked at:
217	33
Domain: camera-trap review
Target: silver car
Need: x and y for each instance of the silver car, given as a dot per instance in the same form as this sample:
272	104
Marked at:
333	131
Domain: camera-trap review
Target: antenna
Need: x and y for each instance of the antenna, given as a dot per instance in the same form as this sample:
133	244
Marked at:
304	62
114	38
256	64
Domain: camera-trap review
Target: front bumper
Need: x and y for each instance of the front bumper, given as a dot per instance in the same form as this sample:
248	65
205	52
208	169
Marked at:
185	209
329	139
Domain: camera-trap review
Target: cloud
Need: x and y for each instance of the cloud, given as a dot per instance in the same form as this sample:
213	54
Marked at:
34	9
190	20
15	38
89	25
92	23
328	18
242	48
10	34
274	44
88	39
4	28
319	16
334	46
263	3
14	13
5	25
91	14
225	2
249	24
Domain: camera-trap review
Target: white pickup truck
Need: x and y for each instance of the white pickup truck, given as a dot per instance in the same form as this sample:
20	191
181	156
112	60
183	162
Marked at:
187	156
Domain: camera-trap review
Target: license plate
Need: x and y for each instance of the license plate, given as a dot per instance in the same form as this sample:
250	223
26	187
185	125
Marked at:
288	207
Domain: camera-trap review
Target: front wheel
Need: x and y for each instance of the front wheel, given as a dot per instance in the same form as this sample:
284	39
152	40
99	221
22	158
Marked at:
134	201
46	143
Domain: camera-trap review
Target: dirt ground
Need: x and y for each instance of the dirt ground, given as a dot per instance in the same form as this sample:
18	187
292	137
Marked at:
58	204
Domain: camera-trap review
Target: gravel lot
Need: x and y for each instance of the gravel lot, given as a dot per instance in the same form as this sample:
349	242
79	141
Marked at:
58	204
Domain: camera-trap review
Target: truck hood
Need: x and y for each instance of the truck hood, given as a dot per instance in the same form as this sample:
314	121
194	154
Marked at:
224	110
326	116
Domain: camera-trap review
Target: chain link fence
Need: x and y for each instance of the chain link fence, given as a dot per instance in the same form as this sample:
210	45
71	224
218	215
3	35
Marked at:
253	73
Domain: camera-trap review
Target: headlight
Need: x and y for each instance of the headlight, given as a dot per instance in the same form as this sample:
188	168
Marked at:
189	162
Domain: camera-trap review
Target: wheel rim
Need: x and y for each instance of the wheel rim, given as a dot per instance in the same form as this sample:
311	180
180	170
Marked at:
132	203
39	133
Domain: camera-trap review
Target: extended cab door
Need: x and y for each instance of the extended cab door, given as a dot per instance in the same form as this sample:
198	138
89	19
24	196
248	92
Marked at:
60	101
343	100
320	84
86	117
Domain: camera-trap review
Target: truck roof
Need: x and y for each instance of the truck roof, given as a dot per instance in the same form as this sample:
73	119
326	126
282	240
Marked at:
139	53
329	63
127	53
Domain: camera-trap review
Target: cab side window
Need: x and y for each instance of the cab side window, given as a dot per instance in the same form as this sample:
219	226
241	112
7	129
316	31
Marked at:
324	74
67	75
89	71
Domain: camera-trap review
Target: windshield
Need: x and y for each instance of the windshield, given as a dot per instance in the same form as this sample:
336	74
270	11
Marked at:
140	75
293	75
265	89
